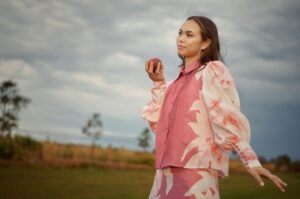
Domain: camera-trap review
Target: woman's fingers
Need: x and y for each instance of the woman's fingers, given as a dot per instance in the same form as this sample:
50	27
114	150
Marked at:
280	184
281	181
146	66
276	180
258	178
151	67
158	68
156	75
162	68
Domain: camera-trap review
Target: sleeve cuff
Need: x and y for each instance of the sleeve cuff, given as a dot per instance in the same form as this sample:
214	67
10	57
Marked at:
247	155
157	83
254	163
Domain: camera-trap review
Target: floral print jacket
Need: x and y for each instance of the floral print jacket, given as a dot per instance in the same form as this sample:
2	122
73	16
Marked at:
197	120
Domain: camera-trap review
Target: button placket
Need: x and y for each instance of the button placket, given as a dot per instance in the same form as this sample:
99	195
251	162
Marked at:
171	109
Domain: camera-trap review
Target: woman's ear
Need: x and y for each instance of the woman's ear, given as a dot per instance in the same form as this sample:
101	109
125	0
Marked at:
205	44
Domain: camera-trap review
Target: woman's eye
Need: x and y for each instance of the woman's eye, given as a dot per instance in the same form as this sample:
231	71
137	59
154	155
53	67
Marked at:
189	35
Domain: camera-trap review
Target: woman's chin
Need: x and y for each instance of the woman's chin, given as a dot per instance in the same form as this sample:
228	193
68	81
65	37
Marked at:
181	56
180	53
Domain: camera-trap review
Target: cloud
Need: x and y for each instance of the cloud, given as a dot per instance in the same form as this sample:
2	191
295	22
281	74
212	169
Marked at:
73	58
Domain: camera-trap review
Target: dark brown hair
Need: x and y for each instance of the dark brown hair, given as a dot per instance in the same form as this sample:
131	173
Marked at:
208	31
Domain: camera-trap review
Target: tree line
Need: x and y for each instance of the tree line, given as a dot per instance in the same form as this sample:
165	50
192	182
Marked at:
12	102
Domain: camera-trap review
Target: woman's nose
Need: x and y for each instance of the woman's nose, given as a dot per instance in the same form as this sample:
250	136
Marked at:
180	38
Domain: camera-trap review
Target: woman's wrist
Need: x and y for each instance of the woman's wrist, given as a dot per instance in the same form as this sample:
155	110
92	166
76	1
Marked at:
156	82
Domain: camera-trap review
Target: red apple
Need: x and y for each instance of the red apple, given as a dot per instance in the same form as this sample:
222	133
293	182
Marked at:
155	63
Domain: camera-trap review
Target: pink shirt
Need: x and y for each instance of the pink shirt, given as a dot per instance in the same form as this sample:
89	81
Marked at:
197	120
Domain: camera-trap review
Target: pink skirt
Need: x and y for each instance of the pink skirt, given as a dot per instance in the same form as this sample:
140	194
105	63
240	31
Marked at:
184	183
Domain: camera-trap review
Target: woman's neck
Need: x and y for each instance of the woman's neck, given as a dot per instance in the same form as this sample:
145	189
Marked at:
189	60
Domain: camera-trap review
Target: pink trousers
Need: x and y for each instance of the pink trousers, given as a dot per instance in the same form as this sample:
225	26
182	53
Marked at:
183	183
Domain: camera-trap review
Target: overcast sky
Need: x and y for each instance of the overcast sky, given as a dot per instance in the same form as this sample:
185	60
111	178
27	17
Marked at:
73	58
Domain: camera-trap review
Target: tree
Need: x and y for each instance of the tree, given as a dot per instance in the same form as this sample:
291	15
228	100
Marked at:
93	128
11	103
281	161
144	139
262	159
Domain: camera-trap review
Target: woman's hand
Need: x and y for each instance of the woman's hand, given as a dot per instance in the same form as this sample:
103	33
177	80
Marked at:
260	171
158	75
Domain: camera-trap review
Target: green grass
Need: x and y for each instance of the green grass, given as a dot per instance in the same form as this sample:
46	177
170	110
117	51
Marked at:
245	186
51	183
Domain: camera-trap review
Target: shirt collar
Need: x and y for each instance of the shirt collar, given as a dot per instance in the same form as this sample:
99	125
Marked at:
192	66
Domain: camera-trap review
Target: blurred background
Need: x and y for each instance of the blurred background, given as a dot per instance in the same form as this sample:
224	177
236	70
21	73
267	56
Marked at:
73	84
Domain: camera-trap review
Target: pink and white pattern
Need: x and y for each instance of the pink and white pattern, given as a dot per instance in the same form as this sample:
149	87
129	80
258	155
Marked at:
197	120
181	183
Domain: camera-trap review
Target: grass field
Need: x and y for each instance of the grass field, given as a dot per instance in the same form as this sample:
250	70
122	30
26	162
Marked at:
83	183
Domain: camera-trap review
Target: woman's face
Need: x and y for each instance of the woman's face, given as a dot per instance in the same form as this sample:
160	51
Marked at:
189	41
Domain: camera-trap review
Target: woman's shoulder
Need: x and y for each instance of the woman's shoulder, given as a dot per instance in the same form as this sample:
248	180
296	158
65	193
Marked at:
218	67
219	70
216	76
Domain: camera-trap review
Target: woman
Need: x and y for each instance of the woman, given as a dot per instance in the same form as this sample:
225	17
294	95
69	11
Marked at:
197	119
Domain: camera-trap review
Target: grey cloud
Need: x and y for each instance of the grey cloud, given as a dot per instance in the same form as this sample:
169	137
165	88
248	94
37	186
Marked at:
81	56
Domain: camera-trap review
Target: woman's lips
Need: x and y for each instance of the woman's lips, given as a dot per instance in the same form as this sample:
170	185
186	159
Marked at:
180	46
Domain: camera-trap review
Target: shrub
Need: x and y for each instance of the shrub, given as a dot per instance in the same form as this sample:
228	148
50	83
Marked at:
16	147
6	148
26	142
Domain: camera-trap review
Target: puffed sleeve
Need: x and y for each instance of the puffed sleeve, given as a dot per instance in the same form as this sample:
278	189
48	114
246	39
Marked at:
230	126
151	110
